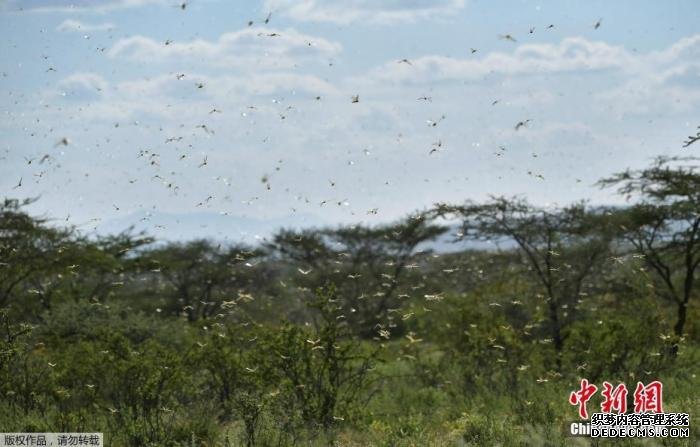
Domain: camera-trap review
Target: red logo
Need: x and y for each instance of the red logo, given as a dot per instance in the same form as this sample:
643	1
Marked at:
582	396
615	399
647	398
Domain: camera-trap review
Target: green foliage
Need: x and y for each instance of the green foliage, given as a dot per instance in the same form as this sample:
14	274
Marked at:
354	335
324	371
366	266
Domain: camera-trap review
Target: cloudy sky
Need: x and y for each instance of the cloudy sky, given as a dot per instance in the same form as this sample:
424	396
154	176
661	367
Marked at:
201	119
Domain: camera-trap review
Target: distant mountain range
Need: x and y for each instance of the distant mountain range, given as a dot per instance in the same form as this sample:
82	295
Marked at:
188	226
178	227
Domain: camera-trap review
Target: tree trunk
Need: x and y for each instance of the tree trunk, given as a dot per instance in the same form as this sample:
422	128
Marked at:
679	326
556	332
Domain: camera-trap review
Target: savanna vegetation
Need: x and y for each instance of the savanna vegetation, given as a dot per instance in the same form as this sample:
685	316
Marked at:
464	324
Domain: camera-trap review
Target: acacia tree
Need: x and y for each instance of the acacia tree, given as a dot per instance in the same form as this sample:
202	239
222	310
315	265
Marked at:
664	227
42	264
561	247
378	258
95	268
366	264
200	276
30	250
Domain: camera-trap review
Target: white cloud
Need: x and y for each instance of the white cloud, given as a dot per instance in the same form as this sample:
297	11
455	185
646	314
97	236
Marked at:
259	84
686	49
666	80
250	46
71	6
571	54
87	81
78	89
372	11
270	66
165	98
649	95
70	25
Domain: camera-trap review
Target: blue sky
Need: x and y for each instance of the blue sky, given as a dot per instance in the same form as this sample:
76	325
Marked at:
143	92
